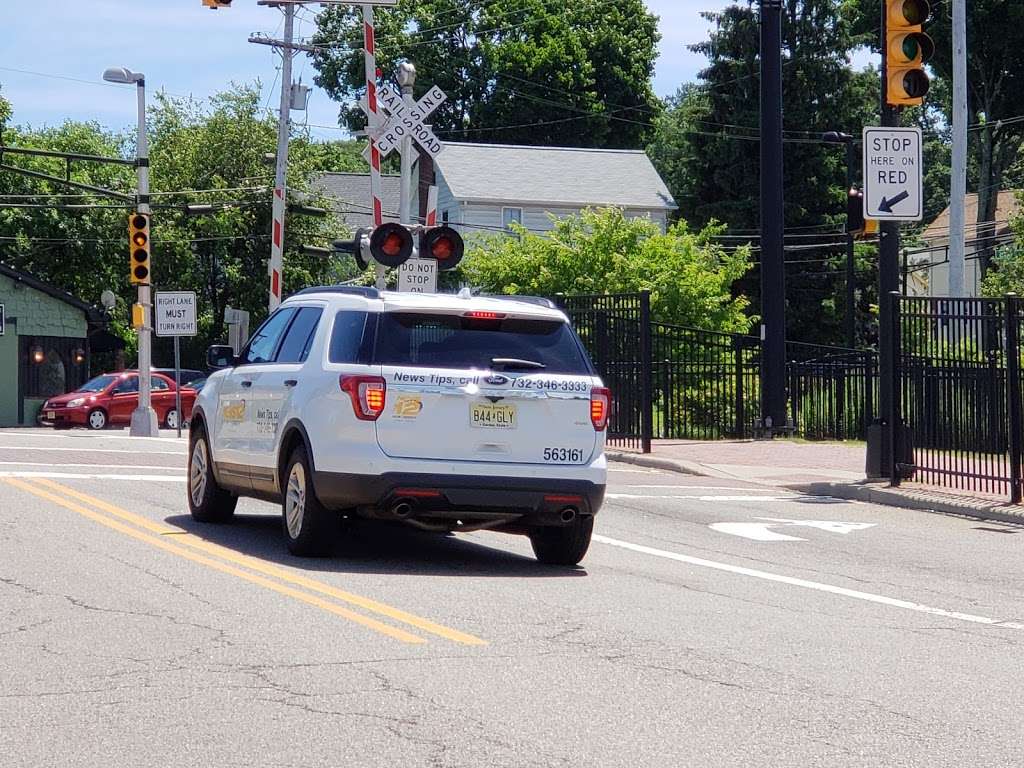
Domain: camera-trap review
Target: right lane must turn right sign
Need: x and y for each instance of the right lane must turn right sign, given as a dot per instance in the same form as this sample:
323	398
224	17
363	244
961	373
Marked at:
892	174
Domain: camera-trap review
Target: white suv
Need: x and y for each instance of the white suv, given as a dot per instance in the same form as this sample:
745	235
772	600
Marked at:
450	413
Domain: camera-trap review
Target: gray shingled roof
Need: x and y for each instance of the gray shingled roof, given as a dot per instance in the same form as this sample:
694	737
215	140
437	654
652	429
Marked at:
553	175
351	194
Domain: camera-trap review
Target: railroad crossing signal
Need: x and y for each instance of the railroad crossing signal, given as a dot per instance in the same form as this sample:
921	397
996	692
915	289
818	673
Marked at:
407	121
906	50
139	248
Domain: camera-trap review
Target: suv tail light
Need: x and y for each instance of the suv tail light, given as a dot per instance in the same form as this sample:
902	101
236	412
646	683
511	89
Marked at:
368	394
600	407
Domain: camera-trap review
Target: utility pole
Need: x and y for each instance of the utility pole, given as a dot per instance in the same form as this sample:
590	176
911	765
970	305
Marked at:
958	171
773	277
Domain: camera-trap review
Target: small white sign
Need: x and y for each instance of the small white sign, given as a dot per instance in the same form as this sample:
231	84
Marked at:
418	276
176	313
893	174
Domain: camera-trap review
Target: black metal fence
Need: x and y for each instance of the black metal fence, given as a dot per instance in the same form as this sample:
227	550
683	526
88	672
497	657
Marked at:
958	393
672	381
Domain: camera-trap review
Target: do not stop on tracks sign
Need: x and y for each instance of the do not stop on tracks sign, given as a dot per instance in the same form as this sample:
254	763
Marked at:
892	174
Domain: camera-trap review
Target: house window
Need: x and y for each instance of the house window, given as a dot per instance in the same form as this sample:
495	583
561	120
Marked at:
509	215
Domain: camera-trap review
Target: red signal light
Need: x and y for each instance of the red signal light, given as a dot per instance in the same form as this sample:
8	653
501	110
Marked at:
444	245
483	315
391	244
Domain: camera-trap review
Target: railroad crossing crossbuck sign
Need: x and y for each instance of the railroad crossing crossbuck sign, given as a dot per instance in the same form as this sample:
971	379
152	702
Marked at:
892	174
407	120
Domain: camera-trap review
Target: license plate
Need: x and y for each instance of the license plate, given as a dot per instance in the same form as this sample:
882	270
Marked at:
50	415
488	416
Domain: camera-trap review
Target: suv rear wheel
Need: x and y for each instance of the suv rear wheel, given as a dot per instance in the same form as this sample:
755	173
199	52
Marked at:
207	501
306	522
563	546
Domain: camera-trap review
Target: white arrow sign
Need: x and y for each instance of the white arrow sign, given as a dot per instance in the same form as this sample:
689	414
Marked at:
764	532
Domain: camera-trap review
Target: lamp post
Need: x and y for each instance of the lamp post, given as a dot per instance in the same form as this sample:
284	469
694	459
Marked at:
144	423
838	137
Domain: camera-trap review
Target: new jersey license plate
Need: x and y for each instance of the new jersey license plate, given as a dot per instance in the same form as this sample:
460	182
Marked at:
492	416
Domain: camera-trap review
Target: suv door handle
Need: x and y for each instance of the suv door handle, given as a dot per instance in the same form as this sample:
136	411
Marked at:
246	383
290	382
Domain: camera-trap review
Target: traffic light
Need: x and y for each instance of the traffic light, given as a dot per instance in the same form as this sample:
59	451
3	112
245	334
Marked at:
391	244
907	48
215	4
139	248
444	245
856	224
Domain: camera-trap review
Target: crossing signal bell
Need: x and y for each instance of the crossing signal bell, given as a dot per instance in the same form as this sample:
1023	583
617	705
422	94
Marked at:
907	48
139	248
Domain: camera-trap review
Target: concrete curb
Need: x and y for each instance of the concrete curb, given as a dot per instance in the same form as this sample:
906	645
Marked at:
917	500
903	498
654	462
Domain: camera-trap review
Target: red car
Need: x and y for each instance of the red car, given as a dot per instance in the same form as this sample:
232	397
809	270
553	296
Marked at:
110	399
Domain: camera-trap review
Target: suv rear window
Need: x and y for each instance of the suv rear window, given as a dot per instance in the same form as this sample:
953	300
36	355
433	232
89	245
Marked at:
454	341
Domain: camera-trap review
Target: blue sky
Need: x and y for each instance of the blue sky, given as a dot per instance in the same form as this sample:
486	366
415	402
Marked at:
187	49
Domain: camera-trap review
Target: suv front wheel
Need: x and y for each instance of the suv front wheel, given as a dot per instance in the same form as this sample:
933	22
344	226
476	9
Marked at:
306	522
207	501
563	546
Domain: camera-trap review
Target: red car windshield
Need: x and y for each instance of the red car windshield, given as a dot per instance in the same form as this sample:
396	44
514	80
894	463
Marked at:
97	384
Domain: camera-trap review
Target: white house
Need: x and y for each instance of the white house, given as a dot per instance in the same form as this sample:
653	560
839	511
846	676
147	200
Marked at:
486	187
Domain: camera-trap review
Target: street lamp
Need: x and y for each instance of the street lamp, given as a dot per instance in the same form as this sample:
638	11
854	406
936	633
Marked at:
144	423
838	137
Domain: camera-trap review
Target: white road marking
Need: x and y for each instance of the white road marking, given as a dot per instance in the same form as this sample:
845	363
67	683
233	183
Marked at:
90	449
706	488
707	498
86	466
764	532
88	435
892	602
755	531
95	476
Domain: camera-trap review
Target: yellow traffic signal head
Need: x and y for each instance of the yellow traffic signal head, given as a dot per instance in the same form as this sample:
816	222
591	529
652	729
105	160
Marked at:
906	50
139	248
215	4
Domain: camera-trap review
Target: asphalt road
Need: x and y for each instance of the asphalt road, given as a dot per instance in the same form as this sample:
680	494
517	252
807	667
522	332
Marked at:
841	634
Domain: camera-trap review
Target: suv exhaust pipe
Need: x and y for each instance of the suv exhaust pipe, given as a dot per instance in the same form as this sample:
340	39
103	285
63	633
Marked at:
401	509
568	514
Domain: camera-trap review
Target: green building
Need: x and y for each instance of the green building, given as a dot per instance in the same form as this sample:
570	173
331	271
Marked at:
44	344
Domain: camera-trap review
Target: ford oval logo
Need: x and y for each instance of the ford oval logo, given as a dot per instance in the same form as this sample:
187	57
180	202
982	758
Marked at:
496	379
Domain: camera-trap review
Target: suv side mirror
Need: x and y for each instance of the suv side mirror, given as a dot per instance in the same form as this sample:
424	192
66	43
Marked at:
220	356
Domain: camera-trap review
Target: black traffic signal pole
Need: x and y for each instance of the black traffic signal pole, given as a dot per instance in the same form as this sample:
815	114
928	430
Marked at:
851	295
881	449
773	278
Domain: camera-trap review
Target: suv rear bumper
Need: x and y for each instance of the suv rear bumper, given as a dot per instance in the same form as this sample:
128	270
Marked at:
536	499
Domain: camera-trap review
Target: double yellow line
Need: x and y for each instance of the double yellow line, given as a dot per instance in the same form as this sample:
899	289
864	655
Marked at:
241	566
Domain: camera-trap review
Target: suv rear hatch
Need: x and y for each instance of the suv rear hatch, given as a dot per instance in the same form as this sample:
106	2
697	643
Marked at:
484	386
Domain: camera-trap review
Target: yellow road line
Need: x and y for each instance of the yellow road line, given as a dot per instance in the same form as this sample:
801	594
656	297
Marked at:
260	566
366	621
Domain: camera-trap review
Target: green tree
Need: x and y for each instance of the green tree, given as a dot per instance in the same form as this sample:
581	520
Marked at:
581	69
689	276
706	145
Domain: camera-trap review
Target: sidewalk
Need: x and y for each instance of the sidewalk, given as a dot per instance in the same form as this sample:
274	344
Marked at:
817	469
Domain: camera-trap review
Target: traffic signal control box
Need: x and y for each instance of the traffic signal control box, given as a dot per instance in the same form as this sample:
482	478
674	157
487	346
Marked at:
906	50
139	248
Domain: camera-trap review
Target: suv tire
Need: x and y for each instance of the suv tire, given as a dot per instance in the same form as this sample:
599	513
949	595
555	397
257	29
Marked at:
307	524
563	546
207	501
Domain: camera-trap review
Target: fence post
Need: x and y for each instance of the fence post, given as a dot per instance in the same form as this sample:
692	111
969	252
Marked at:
1012	319
897	391
646	379
741	411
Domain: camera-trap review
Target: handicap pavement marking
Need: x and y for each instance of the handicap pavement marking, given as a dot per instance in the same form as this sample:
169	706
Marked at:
764	531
